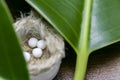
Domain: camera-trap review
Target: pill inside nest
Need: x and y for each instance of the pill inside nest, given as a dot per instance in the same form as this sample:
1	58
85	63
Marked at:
32	42
27	56
37	47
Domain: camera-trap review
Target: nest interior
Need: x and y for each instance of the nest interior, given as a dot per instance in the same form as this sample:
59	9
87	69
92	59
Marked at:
35	26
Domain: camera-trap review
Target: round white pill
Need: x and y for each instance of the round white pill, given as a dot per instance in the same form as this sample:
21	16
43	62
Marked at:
37	52
41	44
32	42
27	56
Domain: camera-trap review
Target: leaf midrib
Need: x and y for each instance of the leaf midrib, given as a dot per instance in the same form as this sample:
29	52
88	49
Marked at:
85	26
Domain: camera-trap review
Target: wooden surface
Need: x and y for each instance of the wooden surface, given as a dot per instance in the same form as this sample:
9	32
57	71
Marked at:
103	64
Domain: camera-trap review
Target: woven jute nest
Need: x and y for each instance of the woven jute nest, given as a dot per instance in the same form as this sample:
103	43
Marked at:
45	67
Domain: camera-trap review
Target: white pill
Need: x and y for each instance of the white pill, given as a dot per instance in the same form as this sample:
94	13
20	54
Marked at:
27	56
32	42
41	44
37	52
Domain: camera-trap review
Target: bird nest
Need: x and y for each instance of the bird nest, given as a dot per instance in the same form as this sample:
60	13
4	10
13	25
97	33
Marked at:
35	26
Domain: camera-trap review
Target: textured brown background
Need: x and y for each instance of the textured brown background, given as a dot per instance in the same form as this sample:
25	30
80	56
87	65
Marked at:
103	64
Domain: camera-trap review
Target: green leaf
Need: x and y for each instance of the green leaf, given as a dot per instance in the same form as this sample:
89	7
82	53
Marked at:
105	23
62	16
87	25
12	63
